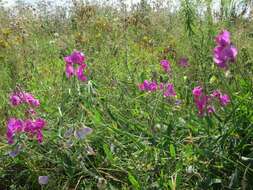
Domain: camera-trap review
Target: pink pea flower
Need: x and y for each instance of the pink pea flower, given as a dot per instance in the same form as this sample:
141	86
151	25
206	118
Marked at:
29	99
224	99
201	104
225	51
216	94
223	38
170	90
14	125
69	70
148	86
15	100
34	127
200	100
76	58
183	62
166	65
80	74
197	91
152	86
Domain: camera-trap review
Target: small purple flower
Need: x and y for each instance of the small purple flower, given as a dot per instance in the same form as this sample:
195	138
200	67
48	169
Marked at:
170	90
15	152
178	102
83	132
224	99
43	180
166	65
183	62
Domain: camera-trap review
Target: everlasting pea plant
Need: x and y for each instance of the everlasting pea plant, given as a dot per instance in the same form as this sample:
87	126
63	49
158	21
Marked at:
75	65
152	86
31	126
204	103
224	52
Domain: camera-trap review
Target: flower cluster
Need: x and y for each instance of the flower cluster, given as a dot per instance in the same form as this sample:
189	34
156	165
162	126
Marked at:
204	102
30	126
152	86
17	98
225	51
148	86
168	89
75	65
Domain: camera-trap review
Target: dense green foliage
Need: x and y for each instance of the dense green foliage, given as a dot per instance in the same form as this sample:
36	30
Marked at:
139	140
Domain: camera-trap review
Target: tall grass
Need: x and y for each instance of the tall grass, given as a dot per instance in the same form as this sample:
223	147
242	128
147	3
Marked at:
139	140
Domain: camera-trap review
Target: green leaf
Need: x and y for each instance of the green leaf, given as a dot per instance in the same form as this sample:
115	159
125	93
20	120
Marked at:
133	181
108	152
172	151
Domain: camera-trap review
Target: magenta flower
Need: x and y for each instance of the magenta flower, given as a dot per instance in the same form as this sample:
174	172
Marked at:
166	65
201	104
223	38
69	70
148	86
224	52
152	86
183	62
223	98
197	91
170	90
80	74
34	127
29	126
204	102
17	98
14	125
76	58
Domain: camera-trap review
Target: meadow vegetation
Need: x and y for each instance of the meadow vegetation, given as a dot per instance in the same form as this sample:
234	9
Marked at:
113	116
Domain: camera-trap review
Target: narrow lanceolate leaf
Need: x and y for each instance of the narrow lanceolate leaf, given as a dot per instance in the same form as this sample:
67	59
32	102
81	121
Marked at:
172	151
133	181
108	152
